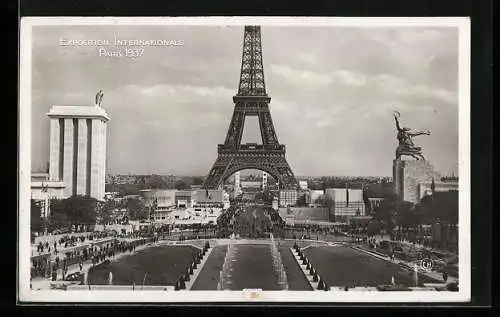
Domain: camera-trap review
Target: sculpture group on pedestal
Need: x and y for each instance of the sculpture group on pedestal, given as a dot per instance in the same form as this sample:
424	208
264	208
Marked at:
409	174
405	139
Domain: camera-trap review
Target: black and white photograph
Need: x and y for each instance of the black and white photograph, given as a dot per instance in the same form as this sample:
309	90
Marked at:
244	159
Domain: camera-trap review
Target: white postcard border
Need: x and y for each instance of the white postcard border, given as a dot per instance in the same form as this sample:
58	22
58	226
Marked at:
27	295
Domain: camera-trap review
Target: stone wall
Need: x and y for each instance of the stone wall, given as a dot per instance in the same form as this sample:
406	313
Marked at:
408	174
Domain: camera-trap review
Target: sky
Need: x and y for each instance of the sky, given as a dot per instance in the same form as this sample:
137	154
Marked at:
333	92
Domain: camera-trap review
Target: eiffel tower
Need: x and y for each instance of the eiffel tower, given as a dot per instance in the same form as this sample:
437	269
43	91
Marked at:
251	100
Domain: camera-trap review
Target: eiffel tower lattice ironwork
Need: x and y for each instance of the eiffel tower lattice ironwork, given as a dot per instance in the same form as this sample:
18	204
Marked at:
251	100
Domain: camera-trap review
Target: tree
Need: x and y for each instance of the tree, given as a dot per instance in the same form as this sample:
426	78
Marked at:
423	215
386	212
136	209
36	217
57	218
128	189
106	212
445	206
329	203
181	185
440	206
197	181
423	210
406	218
379	189
156	181
373	228
265	196
81	209
73	210
301	201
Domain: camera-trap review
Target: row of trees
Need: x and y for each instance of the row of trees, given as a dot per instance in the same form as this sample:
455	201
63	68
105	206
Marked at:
441	207
83	210
264	196
405	216
37	223
76	210
357	182
153	181
135	209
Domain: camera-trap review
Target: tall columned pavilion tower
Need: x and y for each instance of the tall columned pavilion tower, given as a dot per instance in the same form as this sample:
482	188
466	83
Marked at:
78	149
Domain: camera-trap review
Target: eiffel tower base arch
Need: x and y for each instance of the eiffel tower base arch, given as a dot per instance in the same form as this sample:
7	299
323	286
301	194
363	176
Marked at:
227	165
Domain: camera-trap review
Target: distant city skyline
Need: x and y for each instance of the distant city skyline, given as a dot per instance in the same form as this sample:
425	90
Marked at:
333	92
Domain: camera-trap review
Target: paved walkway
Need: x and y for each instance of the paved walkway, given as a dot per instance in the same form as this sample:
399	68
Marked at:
295	277
61	250
196	272
432	274
121	288
208	277
305	272
41	283
51	238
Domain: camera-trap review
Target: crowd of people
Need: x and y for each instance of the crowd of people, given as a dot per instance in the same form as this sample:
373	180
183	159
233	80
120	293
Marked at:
71	240
247	221
57	253
373	243
46	267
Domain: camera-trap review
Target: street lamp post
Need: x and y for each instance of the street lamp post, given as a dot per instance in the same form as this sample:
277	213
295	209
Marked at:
45	190
307	225
149	213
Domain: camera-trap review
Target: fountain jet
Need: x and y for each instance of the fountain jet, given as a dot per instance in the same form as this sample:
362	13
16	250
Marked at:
110	278
278	265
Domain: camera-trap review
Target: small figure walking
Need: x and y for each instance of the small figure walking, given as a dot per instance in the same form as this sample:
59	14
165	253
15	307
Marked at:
445	276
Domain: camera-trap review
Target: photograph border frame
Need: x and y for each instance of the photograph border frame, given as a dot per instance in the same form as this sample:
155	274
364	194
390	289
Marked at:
464	158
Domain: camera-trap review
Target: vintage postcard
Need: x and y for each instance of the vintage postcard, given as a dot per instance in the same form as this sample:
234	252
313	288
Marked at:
244	159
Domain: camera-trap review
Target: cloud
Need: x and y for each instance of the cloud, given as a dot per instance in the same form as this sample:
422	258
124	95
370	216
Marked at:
399	86
307	58
297	78
74	95
181	93
304	77
349	77
283	106
387	82
333	91
210	119
411	36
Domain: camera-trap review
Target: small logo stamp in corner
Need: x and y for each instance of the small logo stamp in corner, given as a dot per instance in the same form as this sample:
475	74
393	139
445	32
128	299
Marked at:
426	264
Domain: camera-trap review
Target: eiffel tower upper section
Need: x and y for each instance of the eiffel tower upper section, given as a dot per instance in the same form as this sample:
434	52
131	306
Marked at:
252	70
251	100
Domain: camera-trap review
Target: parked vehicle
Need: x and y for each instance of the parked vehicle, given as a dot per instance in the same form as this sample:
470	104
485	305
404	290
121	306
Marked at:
73	277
